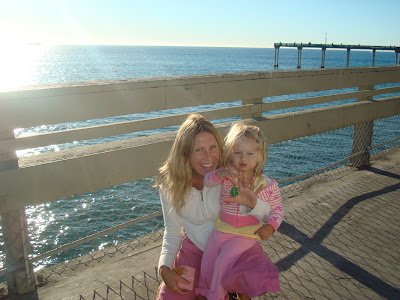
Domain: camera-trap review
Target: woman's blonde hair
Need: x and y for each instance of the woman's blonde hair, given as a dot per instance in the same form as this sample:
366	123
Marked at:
175	176
239	130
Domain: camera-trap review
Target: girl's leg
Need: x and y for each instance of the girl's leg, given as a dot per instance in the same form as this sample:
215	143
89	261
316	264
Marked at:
207	264
261	274
232	249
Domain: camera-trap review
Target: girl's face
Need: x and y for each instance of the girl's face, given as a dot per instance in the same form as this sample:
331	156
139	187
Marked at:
205	154
245	155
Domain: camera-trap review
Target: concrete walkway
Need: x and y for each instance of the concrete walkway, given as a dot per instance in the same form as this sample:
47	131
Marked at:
340	240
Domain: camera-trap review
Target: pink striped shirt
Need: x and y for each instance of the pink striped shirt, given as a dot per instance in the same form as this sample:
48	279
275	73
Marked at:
235	214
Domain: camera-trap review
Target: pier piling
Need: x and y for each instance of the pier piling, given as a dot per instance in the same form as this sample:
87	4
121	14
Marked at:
299	57
323	57
276	57
373	57
348	57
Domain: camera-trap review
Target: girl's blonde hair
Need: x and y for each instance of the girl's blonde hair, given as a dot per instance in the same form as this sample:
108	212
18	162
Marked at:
175	176
239	130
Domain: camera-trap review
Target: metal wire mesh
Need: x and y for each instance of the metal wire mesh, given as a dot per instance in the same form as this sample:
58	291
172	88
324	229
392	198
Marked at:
91	215
341	229
81	225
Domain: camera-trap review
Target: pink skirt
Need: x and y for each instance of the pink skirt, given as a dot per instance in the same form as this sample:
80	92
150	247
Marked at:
253	273
188	255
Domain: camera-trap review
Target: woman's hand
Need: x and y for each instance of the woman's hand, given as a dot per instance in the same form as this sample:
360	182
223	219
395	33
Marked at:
171	280
246	194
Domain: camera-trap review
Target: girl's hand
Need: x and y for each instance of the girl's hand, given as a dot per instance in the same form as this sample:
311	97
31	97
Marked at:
246	194
171	279
226	173
265	231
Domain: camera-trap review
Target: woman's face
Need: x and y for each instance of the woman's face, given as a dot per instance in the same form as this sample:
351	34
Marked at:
205	154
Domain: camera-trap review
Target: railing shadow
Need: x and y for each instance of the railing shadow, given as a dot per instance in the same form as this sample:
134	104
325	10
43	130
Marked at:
314	243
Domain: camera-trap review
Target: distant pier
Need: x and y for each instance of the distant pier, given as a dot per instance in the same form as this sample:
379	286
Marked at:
300	46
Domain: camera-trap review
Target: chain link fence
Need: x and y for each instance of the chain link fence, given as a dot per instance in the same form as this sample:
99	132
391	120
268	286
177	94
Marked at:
70	234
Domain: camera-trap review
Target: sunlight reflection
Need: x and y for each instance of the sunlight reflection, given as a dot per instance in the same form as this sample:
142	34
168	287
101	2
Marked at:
19	64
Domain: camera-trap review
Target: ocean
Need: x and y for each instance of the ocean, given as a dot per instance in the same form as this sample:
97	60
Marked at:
54	224
39	64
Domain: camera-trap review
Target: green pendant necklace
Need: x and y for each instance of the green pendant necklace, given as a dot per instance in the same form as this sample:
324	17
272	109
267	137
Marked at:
234	191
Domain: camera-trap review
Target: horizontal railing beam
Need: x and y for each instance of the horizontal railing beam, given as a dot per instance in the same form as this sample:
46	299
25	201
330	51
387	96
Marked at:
93	132
285	104
102	99
291	126
114	129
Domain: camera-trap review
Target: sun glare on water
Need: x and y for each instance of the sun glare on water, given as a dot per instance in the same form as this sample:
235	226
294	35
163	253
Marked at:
19	60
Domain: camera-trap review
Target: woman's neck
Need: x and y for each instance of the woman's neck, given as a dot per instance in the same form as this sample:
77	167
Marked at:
197	181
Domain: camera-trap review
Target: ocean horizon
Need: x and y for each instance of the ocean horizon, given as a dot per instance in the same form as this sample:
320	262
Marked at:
43	64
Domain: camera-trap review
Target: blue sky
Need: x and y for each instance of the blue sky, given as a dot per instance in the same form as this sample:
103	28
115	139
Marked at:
241	23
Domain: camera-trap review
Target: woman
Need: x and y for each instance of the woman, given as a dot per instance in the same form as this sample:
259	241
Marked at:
189	220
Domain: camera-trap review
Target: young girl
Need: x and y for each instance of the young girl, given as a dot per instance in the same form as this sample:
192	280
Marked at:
235	230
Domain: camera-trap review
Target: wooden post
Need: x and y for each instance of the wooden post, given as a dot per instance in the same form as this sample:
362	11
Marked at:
20	276
250	114
362	138
8	156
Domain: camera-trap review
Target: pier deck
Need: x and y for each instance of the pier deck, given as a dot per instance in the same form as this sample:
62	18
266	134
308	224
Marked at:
337	46
325	46
339	240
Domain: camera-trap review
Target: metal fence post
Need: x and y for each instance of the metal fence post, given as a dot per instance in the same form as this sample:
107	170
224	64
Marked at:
362	138
19	270
20	276
252	114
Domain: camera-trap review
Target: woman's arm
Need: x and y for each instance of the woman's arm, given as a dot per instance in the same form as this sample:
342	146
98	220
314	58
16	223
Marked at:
172	240
173	233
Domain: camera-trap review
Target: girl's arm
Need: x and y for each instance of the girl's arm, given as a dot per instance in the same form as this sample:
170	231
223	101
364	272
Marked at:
215	177
211	179
272	196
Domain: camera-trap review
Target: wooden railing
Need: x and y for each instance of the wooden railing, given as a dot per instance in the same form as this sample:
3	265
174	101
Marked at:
55	175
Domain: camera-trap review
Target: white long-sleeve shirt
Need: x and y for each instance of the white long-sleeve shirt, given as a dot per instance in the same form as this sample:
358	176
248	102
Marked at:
197	220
